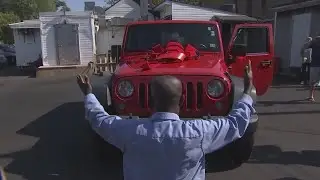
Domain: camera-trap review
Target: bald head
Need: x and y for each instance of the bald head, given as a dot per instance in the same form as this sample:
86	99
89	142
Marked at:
166	92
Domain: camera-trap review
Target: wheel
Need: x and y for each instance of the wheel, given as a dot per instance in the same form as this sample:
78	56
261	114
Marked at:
241	150
231	156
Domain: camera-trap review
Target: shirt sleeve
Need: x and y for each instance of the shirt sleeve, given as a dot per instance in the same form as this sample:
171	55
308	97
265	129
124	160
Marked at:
222	131
109	127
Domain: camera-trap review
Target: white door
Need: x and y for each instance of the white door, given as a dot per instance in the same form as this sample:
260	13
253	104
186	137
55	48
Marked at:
300	31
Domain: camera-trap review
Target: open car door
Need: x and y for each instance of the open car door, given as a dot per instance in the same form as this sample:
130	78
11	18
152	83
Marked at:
258	42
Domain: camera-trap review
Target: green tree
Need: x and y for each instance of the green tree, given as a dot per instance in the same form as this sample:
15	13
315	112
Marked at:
25	9
62	5
46	5
5	31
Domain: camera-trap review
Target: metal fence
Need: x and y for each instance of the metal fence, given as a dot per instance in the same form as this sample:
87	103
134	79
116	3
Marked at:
105	62
108	62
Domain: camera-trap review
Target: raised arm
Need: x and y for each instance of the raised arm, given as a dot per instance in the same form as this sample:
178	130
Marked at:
222	131
110	128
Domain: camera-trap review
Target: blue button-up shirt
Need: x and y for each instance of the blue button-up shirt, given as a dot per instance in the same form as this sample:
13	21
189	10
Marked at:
165	147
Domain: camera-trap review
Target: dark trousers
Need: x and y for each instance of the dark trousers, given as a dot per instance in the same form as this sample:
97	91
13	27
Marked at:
305	72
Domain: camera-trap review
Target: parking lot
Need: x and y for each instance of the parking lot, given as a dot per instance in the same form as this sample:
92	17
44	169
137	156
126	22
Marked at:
43	135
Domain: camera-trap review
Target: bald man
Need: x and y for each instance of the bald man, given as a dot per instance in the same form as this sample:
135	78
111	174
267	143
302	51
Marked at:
164	147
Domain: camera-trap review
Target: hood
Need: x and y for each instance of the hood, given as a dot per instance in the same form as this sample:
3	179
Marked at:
206	64
172	59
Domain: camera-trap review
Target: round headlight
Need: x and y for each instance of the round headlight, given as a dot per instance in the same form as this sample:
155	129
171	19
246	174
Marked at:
125	88
215	88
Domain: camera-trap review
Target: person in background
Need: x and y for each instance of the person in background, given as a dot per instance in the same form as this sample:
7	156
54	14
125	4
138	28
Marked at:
306	56
314	65
164	147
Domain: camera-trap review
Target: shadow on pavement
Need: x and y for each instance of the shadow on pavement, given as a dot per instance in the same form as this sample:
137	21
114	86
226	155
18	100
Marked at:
66	149
269	154
271	103
288	178
288	113
281	81
14	71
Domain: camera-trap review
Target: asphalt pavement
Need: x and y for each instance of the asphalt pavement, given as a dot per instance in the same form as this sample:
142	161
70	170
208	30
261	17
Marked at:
43	135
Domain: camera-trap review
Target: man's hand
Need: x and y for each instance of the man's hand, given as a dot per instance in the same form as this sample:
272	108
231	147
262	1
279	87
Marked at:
84	84
247	79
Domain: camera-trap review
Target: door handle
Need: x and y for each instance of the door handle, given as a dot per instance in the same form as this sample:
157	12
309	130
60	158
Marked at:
266	63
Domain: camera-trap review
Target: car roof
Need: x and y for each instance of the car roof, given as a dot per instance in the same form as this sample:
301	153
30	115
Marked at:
171	22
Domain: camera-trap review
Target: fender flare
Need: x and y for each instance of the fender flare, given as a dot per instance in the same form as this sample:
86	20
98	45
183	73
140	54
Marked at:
101	88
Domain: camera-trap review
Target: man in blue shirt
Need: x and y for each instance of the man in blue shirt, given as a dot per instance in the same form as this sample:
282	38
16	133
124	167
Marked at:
164	147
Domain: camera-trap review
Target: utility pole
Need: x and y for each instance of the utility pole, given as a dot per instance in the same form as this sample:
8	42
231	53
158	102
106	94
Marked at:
144	7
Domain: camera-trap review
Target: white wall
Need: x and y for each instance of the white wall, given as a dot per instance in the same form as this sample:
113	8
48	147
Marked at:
27	48
181	11
125	9
86	37
105	40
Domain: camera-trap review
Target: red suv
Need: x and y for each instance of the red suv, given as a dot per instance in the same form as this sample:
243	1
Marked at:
207	56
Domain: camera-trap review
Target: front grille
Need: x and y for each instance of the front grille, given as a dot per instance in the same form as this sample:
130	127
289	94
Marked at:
200	93
142	92
193	95
150	101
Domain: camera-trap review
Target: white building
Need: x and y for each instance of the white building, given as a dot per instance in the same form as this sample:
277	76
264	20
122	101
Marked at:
27	41
76	38
61	39
67	39
183	11
112	25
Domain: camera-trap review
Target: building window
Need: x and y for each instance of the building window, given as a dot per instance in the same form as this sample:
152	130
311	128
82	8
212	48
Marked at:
256	39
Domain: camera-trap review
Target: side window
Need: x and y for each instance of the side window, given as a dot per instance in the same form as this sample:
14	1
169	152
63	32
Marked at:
241	37
256	39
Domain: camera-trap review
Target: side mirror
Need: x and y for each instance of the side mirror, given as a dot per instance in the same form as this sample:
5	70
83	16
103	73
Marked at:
239	50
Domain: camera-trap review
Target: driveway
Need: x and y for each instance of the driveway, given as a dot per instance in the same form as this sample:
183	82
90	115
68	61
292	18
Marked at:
43	135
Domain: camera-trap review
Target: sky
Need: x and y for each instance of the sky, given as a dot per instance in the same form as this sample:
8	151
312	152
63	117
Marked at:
78	5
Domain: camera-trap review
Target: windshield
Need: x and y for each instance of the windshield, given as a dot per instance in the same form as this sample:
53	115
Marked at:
143	37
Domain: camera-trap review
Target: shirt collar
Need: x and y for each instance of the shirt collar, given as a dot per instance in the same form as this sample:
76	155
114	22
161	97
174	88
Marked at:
164	116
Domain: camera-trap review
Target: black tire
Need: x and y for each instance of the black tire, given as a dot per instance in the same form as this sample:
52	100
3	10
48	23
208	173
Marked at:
231	156
241	150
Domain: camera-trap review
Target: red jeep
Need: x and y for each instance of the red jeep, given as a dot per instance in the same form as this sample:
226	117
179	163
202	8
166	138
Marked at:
207	56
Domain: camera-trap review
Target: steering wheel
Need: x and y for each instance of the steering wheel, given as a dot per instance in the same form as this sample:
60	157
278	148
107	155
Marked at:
203	46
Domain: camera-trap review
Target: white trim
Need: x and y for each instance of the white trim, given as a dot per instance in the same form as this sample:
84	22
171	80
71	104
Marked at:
68	13
28	24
